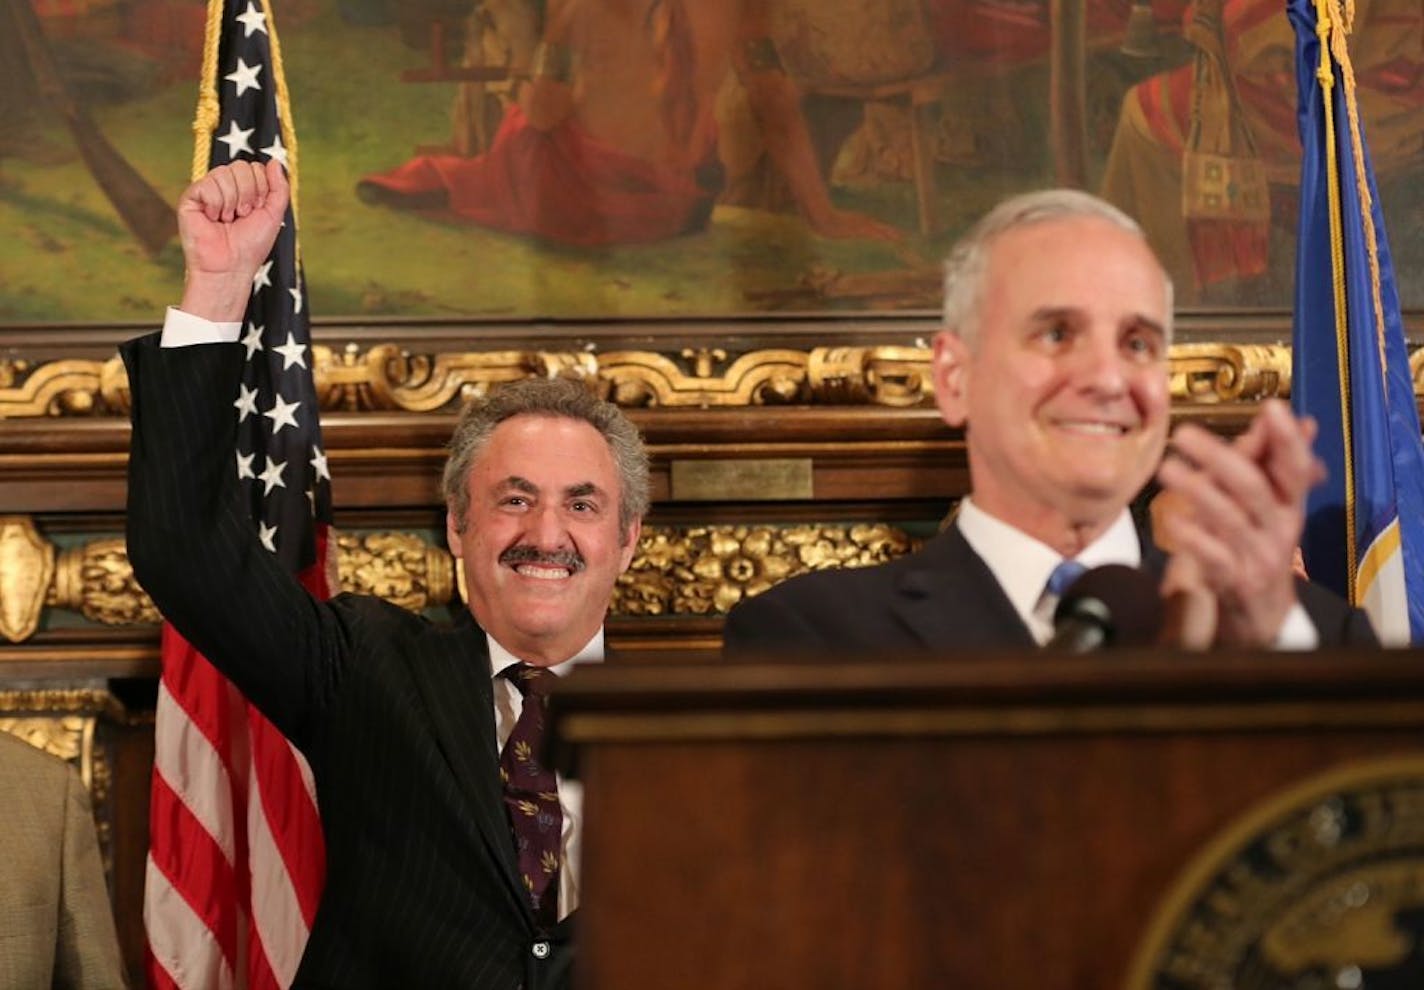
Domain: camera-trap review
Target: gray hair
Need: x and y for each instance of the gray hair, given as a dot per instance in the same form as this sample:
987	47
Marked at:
967	266
555	397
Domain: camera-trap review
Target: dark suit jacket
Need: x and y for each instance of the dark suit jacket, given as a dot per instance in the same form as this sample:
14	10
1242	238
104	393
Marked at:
394	713
942	599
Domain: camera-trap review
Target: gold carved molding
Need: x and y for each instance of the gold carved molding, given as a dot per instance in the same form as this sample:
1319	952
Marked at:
64	723
61	721
96	581
387	378
69	387
677	570
26	569
1208	373
705	570
399	567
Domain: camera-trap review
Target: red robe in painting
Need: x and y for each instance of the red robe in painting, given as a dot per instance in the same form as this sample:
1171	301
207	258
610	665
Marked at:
560	184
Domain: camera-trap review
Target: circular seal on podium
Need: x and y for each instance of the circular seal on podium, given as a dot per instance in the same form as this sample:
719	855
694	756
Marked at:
1320	887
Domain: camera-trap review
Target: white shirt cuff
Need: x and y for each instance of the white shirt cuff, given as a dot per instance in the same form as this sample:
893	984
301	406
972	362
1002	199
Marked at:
1297	632
182	329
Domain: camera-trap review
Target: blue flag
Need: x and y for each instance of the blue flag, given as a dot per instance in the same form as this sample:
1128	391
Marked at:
1364	534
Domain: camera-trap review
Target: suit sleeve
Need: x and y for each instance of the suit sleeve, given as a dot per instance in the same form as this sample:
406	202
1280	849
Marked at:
87	950
766	626
194	548
1337	622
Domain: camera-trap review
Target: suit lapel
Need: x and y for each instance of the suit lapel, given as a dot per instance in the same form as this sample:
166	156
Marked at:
948	597
458	693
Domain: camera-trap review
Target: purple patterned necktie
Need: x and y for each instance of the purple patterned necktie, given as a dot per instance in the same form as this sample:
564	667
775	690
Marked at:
531	795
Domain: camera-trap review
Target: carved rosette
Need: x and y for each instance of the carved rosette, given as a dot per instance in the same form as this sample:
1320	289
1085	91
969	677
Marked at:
399	567
97	581
705	570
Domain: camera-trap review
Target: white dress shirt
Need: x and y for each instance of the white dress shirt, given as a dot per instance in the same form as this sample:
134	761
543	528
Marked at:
1021	565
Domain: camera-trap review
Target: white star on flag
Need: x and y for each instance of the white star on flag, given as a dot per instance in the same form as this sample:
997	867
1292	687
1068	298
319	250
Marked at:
252	340
244	77
236	139
318	462
271	476
246	405
244	466
282	413
292	353
275	150
268	536
296	299
252	20
263	277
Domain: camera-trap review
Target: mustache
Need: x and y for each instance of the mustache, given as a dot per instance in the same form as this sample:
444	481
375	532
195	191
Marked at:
527	553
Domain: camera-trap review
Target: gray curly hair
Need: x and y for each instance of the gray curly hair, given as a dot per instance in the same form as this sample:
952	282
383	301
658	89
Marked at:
548	397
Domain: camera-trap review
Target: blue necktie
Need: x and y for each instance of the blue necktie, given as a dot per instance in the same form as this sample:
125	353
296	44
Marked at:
1063	577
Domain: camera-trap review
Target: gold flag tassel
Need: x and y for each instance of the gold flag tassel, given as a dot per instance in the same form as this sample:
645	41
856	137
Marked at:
1326	26
205	119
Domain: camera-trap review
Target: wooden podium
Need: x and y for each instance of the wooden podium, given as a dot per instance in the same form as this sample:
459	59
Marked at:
1038	822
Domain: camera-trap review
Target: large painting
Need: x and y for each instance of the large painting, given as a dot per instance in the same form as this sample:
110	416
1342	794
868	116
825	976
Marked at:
518	159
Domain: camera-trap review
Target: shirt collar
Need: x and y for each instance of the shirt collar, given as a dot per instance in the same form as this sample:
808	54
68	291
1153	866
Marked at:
500	658
1021	564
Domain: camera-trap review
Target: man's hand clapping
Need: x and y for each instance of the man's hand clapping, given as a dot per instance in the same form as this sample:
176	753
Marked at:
1240	512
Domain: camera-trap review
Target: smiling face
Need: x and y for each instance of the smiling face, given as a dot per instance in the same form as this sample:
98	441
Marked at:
540	544
1064	388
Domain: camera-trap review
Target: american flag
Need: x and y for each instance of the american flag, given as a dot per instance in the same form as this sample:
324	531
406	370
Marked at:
236	859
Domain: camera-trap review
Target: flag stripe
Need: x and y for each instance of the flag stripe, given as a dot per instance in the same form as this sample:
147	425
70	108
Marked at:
277	914
188	763
1377	556
289	816
183	947
236	831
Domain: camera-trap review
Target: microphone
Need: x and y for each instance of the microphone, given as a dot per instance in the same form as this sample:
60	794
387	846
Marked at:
1108	606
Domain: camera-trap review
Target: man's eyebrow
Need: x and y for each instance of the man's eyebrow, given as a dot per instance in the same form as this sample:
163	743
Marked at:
582	489
1148	323
1046	313
518	484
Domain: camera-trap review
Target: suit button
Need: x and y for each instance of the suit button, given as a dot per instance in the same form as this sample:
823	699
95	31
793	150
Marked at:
540	950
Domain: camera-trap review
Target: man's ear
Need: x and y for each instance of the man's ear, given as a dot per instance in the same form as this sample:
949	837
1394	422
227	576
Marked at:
626	557
949	369
452	535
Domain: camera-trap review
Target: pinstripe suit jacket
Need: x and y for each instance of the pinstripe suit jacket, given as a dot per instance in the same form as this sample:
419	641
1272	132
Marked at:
393	712
56	926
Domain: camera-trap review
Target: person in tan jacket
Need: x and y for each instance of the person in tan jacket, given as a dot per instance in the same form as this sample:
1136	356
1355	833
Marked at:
56	924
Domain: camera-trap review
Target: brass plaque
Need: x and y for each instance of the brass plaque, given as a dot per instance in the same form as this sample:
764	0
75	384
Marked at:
765	480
